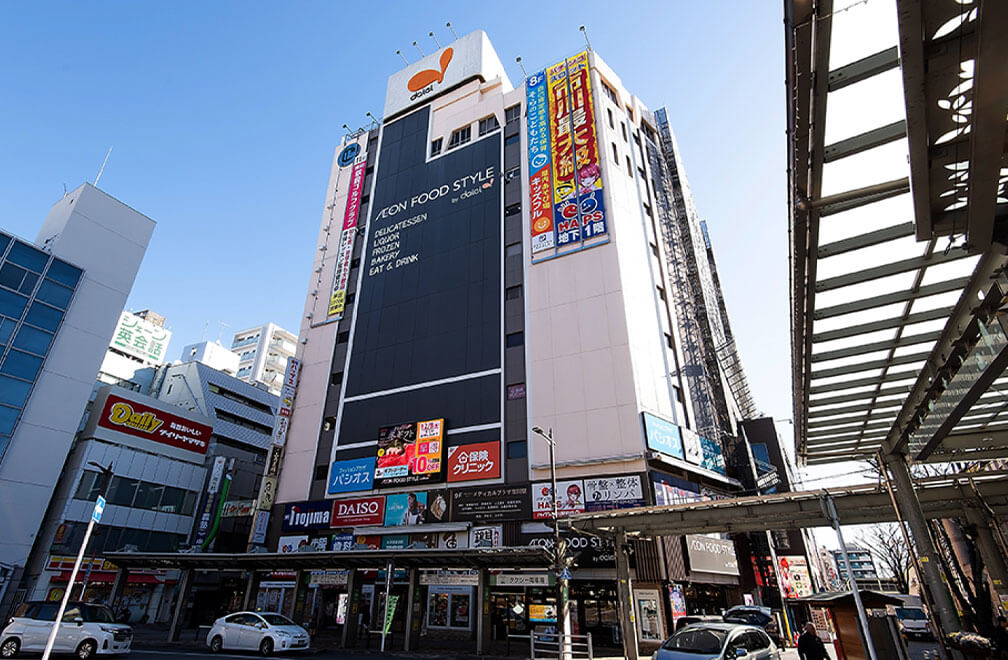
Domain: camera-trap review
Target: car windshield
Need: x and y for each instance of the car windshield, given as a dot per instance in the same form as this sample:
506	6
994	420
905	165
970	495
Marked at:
751	617
277	620
910	613
698	640
97	614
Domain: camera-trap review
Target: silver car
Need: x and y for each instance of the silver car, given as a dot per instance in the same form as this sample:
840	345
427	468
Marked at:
718	641
86	630
265	632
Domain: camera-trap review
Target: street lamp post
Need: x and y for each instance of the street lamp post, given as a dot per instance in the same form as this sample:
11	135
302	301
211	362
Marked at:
559	551
95	517
106	482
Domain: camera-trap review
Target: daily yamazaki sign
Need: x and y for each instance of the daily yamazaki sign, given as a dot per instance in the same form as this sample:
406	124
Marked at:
137	419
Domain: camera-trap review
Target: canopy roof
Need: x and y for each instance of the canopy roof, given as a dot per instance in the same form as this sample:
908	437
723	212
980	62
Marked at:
897	183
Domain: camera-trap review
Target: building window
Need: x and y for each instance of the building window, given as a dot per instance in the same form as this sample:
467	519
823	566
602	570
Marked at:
512	139
435	146
609	92
612	124
513	250
654	249
511	210
615	154
512	114
629	167
668	340
336	378
647	209
460	136
343	337
513	292
623	126
517	449
354	263
514	339
510	174
488	125
661	292
349	298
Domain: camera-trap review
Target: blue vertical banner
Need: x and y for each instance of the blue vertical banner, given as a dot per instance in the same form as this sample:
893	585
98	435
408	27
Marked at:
540	187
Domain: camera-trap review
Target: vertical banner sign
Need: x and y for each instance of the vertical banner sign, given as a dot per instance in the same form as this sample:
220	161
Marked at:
588	171
337	299
209	501
565	209
540	188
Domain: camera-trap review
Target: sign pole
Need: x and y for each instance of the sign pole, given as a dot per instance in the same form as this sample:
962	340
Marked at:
95	517
386	624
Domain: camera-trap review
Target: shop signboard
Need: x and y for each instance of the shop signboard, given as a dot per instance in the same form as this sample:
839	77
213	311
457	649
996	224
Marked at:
328	578
395	542
663	436
351	475
342	542
540	188
542	613
521	580
305	516
490	503
446	578
267	493
438	506
358	511
794	576
291	543
671	490
713	457
481	460
589	551
405	509
274	461
354	152
588	171
369	542
409	453
237	508
570	499
678	601
709	554
485	536
692	448
260	527
139	338
150	423
620	492
452	540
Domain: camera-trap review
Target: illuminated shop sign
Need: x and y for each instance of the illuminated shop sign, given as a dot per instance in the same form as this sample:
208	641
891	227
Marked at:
409	453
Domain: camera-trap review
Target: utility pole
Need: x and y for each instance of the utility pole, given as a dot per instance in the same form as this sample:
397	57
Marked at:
559	554
95	517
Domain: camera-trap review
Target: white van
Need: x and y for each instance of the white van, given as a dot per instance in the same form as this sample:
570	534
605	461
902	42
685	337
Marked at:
86	630
913	623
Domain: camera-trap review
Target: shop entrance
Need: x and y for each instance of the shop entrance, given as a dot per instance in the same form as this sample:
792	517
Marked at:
596	612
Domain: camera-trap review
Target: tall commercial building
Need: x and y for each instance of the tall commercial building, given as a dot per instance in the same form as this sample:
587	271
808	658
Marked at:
491	276
262	354
60	299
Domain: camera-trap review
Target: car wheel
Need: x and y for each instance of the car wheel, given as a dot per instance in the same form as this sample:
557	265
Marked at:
10	648
86	649
216	644
266	647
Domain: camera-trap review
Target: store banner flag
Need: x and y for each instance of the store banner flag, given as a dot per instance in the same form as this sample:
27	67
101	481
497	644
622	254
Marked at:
588	171
344	254
540	188
393	600
565	208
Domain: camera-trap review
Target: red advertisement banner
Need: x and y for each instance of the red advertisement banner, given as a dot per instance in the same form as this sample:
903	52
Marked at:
473	462
143	421
358	511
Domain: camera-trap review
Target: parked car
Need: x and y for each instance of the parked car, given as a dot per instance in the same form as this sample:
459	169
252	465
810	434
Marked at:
690	619
913	623
754	615
718	641
86	630
265	632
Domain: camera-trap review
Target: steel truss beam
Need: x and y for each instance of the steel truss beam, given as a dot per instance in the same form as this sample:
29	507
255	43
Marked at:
865	141
891	298
875	347
866	240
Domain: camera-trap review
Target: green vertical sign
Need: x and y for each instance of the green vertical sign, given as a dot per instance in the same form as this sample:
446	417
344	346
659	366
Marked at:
390	612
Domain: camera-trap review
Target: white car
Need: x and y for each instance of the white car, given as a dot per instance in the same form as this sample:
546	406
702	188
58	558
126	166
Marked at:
265	632
86	630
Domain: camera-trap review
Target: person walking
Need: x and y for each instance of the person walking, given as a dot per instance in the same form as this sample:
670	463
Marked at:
810	647
1000	638
364	622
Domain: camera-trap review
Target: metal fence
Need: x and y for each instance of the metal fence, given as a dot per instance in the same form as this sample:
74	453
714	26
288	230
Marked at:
547	645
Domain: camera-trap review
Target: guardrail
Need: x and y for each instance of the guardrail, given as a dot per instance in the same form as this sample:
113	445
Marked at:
547	645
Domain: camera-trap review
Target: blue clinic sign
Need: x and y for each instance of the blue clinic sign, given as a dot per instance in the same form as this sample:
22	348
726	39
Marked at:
663	436
351	476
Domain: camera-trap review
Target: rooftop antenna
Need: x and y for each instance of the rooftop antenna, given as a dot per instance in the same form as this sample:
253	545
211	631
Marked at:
434	37
399	53
372	117
64	190
518	60
585	33
346	128
221	330
448	25
102	169
415	44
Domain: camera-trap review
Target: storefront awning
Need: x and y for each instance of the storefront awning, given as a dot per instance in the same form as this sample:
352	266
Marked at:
496	558
105	577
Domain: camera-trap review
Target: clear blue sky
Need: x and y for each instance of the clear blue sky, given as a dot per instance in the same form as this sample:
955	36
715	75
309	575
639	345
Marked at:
223	118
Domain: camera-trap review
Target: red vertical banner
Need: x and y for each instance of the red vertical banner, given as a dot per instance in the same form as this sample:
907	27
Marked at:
588	172
565	209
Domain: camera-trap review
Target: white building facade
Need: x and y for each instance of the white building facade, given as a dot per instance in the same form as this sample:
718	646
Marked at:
262	354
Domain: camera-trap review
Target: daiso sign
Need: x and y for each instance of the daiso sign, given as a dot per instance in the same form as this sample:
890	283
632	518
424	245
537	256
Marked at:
358	511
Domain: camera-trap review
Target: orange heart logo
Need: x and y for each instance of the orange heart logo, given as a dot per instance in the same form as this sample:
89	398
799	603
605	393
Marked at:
429	76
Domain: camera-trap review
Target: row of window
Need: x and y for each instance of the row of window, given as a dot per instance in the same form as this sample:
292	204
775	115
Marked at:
239	398
225	416
137	494
107	538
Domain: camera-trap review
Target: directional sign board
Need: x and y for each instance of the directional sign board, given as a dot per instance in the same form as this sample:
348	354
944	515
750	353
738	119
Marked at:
98	508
